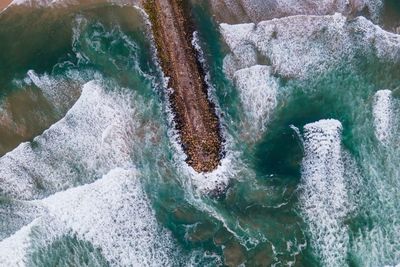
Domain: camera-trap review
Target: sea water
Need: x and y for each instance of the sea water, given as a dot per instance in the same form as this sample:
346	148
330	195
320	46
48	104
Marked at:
92	173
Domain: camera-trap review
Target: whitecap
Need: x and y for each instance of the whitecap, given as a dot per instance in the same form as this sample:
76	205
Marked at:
299	46
258	93
91	139
383	112
113	214
13	249
258	10
323	198
62	3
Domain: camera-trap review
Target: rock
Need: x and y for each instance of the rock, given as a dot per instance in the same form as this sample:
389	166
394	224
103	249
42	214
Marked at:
195	116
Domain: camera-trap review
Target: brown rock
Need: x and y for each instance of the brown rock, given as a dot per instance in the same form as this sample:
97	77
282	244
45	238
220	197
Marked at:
194	114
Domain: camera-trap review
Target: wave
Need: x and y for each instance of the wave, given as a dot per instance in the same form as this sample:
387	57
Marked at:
89	155
14	248
301	46
61	93
92	138
383	112
258	93
63	3
113	214
14	215
323	199
258	10
376	241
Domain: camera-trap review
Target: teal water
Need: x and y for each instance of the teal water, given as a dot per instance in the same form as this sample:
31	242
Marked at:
106	184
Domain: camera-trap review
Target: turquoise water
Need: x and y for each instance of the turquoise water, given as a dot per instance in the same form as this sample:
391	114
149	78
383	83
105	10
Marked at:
106	184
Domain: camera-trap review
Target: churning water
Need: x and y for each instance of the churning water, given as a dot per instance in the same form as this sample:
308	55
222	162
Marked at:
92	173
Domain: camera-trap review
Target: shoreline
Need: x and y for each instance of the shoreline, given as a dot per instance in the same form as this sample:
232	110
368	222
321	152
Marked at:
195	117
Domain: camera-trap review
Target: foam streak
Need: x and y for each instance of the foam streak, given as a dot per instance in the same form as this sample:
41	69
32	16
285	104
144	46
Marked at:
324	197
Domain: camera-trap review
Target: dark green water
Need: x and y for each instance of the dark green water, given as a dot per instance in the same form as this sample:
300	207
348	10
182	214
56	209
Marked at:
79	209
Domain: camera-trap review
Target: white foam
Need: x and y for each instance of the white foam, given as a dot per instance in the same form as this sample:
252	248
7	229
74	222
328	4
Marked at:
236	35
36	3
324	195
258	10
243	52
382	111
14	215
378	242
92	138
13	249
258	91
113	214
203	183
378	246
60	92
53	3
299	46
217	180
211	91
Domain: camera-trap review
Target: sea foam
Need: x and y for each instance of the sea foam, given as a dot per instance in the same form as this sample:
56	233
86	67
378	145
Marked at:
383	112
92	138
61	93
296	48
299	46
58	3
258	10
323	197
113	214
258	93
13	249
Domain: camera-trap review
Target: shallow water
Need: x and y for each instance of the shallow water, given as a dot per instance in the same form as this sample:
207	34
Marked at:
94	175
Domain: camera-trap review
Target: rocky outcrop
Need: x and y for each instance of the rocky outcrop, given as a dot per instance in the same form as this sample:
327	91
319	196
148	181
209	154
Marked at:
195	116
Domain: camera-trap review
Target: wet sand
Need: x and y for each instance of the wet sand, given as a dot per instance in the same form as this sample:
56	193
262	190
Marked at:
194	115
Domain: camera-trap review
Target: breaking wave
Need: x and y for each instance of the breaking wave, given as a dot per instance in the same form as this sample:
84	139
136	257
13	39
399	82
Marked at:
301	46
383	112
324	196
113	214
93	138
